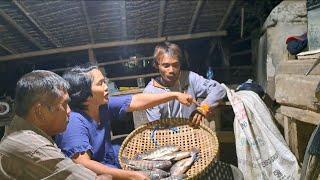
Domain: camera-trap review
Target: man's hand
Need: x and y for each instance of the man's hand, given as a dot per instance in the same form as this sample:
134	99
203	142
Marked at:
196	118
202	112
185	99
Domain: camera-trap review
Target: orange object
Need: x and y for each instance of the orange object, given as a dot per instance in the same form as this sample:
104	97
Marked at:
203	109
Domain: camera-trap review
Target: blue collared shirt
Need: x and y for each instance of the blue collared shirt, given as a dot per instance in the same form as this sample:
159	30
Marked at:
83	134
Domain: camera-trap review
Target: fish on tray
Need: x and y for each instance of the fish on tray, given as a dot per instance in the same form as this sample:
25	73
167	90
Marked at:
175	156
157	153
183	165
156	174
146	164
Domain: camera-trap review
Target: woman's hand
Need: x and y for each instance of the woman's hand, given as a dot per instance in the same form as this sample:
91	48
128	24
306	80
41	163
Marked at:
185	99
134	175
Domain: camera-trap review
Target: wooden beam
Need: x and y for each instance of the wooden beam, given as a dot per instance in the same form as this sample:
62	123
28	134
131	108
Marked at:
123	19
241	53
226	15
242	22
297	67
241	40
93	60
213	44
7	49
114	44
92	56
161	17
195	16
221	25
10	21
108	63
300	114
84	10
41	30
197	35
233	68
134	77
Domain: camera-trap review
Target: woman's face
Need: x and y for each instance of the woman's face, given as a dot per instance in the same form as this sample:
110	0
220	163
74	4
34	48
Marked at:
99	88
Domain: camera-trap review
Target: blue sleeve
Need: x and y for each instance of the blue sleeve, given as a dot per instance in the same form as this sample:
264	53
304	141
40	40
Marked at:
211	89
118	105
75	139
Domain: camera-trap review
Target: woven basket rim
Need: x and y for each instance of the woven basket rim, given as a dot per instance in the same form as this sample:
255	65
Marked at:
166	122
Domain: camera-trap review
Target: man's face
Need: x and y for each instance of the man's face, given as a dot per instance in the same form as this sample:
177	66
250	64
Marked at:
169	68
56	115
99	89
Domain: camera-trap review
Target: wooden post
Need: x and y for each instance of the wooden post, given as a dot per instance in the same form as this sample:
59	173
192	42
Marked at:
93	60
291	135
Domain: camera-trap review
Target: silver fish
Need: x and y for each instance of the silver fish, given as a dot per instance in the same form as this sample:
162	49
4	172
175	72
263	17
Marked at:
178	177
158	152
156	174
183	165
175	156
147	165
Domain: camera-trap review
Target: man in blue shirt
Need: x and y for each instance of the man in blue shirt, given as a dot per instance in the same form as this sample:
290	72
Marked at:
87	137
167	60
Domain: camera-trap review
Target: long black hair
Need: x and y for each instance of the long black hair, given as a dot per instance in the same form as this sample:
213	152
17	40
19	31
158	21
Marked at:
80	85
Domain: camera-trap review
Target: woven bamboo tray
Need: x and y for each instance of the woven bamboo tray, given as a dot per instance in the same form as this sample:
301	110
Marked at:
174	131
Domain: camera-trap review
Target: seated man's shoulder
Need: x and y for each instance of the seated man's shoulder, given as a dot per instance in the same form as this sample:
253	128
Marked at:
22	141
152	87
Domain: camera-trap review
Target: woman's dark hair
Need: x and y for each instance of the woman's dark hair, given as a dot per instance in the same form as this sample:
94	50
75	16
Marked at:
80	85
38	86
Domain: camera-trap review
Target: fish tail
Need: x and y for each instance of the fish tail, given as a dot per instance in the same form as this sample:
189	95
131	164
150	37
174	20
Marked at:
195	154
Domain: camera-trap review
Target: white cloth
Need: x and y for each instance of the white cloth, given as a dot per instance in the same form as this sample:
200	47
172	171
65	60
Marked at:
261	150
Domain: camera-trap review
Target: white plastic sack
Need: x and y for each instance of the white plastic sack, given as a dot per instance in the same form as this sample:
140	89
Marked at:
261	150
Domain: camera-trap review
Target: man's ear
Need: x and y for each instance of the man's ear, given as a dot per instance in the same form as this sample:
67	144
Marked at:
38	111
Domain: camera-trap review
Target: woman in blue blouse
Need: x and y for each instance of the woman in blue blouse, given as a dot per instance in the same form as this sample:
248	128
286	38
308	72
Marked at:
87	137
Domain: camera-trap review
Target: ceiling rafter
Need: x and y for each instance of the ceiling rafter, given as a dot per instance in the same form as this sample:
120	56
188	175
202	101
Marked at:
226	15
9	20
115	44
195	16
123	19
34	22
214	42
88	22
161	17
7	49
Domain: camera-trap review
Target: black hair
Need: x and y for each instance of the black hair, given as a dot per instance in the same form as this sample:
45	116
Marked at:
80	85
38	86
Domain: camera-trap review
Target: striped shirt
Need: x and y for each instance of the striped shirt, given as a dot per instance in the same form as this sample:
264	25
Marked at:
26	152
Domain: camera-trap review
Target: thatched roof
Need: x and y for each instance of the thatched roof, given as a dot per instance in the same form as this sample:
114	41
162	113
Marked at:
51	34
31	25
